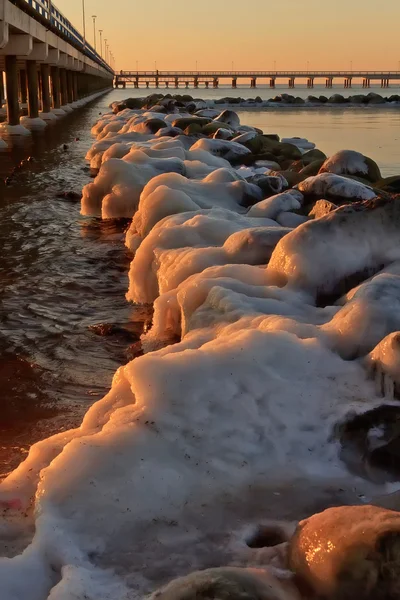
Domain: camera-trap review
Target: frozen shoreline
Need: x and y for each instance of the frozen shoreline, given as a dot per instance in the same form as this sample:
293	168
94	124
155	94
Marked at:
187	450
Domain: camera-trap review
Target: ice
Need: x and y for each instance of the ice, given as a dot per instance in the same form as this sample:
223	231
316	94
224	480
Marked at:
335	186
263	340
320	254
301	143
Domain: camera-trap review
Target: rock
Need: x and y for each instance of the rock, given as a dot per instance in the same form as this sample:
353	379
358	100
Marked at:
313	100
228	117
262	144
153	125
269	184
389	184
337	99
275	99
131	103
313	155
291	177
258	99
158	108
349	552
321	208
323	99
222	134
335	188
193	129
229	583
299	100
374	98
152	100
358	99
312	168
184	122
349	162
290	219
245	137
70	196
394	98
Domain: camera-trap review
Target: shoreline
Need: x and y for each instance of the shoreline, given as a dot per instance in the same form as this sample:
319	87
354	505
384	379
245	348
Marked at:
193	437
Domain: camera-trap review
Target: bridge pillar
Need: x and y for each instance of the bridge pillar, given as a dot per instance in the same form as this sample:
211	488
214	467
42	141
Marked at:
215	82
366	83
253	83
55	87
157	82
33	89
147	83
12	90
272	83
176	82
63	87
329	82
23	88
385	83
45	87
234	83
310	82
167	84
136	83
291	82
75	84
348	82
2	94
196	83
207	84
186	84
70	87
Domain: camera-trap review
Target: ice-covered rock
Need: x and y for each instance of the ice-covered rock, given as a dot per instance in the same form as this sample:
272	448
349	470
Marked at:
273	206
349	162
335	187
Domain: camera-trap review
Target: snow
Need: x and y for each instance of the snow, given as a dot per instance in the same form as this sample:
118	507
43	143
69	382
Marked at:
33	124
346	161
244	378
301	143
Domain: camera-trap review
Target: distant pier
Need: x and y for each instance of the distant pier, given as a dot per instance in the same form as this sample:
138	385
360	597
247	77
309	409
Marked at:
212	79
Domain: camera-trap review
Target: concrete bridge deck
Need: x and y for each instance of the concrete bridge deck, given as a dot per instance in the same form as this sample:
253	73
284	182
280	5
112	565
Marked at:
44	60
196	78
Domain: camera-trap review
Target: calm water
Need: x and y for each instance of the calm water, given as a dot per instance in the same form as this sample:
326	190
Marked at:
61	273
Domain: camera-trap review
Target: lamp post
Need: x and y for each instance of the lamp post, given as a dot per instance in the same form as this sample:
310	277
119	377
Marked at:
101	42
84	23
94	17
105	49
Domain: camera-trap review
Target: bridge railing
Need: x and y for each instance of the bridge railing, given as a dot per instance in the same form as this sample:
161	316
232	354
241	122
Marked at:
48	13
366	74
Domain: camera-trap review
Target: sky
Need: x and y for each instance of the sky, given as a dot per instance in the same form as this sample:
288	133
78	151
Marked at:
248	34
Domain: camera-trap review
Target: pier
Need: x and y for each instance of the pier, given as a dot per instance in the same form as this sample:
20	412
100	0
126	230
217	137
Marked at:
44	61
207	79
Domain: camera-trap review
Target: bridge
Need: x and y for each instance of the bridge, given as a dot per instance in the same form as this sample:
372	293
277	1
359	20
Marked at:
44	61
212	78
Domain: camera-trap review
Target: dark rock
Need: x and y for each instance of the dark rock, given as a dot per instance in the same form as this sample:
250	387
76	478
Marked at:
346	162
358	99
313	100
394	98
70	196
258	99
312	168
337	99
184	122
299	100
262	144
321	208
154	125
275	99
323	99
313	155
389	184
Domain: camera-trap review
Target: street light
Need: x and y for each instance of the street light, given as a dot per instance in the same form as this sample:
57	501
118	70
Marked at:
101	42
94	17
84	23
105	49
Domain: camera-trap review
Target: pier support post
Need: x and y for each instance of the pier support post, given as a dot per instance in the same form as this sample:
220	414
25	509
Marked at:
147	84
291	82
55	87
75	84
196	83
234	83
136	84
310	82
176	82
2	94
207	84
63	87
45	87
33	89
23	87
272	83
215	83
157	82
186	84
12	90
70	87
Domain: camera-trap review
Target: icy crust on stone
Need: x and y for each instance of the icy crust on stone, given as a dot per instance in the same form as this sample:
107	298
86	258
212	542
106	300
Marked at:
168	471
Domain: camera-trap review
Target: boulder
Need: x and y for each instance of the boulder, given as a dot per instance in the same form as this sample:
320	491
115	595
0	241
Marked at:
153	125
313	168
183	122
358	99
291	177
335	188
312	155
262	144
299	100
394	98
193	129
349	552
323	99
321	208
374	98
389	184
337	99
228	117
222	134
258	99
313	100
349	162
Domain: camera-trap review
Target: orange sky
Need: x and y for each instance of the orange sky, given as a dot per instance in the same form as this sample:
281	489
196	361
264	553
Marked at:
251	34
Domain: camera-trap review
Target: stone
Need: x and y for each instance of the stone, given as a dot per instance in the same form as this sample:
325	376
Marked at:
153	125
349	162
389	184
312	168
184	122
228	117
337	99
299	100
291	177
321	208
313	100
349	552
358	99
323	99
262	144
312	155
193	129
258	99
212	127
